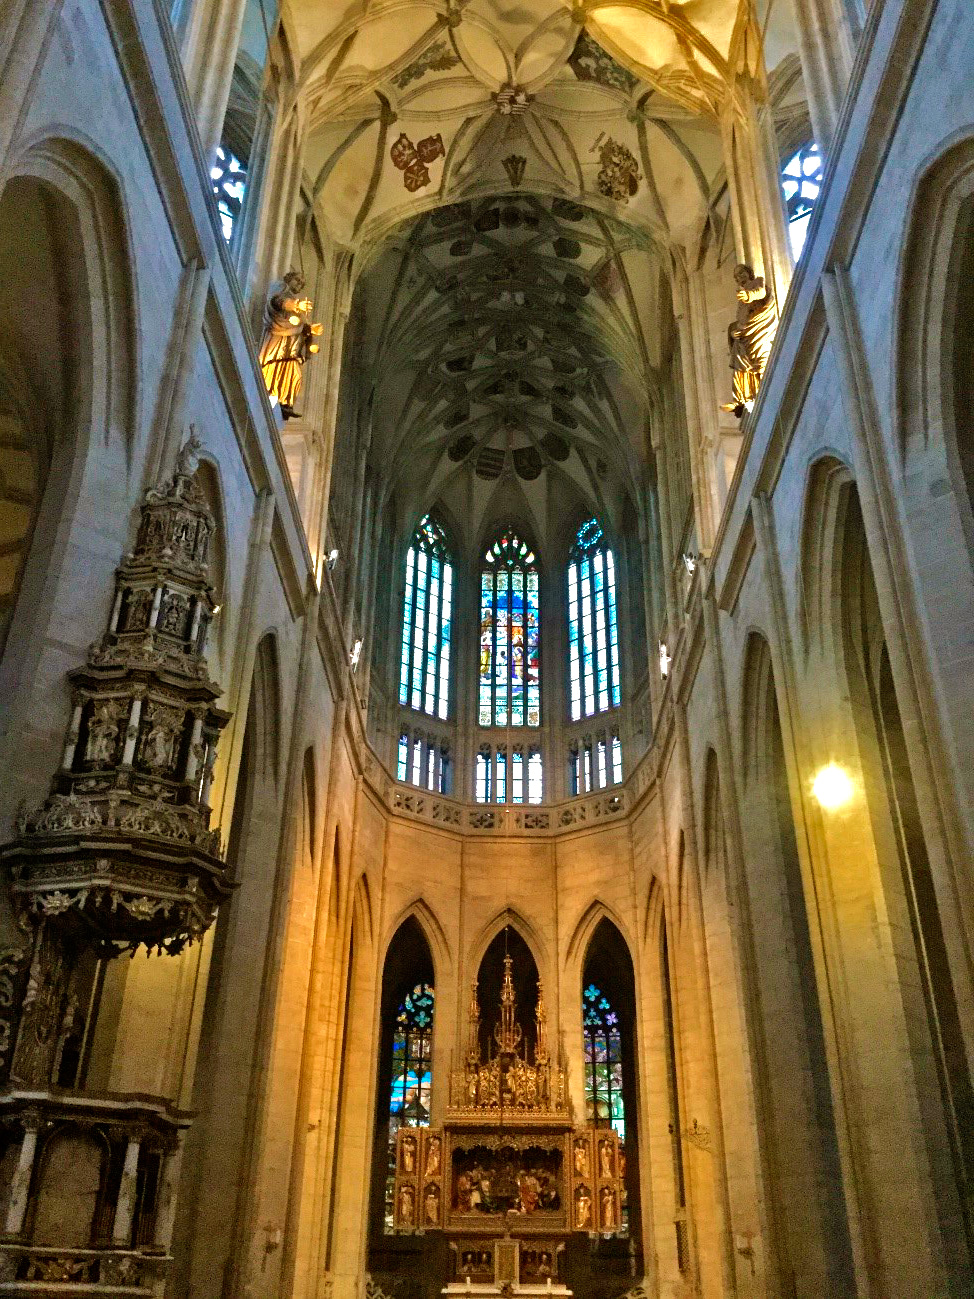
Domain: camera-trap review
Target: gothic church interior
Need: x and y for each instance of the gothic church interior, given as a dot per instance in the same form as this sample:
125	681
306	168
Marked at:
486	621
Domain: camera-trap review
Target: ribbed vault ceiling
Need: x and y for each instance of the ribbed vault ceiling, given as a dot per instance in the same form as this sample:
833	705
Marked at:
510	340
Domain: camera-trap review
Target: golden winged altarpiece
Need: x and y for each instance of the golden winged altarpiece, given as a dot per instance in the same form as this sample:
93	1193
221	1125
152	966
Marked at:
509	1176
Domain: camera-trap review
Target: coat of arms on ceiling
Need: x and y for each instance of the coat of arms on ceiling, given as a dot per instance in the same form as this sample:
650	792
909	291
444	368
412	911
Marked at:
619	173
514	165
437	57
413	159
590	62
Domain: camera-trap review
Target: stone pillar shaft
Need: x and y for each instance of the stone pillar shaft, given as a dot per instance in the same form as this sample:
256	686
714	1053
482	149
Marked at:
20	1187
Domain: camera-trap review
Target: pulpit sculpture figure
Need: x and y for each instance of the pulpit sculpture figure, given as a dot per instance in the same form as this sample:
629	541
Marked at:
288	340
750	336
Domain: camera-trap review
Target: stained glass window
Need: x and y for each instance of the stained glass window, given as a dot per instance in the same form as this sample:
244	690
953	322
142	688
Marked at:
412	1075
424	674
228	176
593	633
604	1104
801	181
510	669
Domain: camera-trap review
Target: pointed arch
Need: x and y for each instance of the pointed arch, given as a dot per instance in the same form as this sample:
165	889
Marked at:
824	504
63	242
611	1054
931	298
404	1090
266	704
517	921
586	925
433	932
210	482
654	909
362	910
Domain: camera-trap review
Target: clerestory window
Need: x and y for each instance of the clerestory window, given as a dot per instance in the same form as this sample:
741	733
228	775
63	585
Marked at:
593	633
424	675
510	668
801	182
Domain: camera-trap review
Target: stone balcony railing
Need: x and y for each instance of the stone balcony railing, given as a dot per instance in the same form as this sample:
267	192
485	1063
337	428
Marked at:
534	819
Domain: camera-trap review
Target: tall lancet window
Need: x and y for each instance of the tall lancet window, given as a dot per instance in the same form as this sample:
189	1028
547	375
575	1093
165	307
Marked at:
424	674
593	633
604	1101
801	181
510	668
412	1073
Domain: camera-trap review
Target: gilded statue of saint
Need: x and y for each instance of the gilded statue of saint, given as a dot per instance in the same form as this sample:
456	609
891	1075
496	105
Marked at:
288	340
750	336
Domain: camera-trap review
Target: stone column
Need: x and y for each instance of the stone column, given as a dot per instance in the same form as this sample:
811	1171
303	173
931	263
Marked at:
754	185
209	56
20	1186
125	1205
826	41
690	310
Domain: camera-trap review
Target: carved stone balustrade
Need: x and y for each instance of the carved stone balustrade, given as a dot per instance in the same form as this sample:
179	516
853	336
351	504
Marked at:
88	1191
121	853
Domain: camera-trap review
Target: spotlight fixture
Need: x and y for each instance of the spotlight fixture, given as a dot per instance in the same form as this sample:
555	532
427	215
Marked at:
690	563
331	560
832	787
664	660
355	654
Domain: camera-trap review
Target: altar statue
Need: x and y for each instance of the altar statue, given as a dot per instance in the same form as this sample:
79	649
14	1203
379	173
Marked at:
750	337
288	340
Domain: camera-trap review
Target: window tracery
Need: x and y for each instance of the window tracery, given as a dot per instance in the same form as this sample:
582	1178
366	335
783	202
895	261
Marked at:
424	675
593	633
424	760
510	667
595	761
508	777
604	1103
229	179
801	182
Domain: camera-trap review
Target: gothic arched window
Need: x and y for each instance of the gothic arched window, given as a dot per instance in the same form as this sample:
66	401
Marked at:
228	176
510	668
424	677
593	634
801	181
412	1073
604	1102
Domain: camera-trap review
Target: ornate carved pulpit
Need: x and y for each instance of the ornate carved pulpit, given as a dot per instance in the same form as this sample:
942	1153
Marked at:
509	1177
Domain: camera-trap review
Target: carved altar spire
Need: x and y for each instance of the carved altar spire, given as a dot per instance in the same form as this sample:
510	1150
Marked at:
508	1032
473	1027
540	1029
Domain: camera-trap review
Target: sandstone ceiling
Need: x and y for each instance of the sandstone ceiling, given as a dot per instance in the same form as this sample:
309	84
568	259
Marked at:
513	178
415	103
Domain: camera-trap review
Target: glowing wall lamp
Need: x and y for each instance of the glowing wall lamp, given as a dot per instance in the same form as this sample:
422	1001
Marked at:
832	787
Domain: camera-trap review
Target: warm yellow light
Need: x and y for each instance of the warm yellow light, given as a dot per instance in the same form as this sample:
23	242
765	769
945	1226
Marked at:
832	787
